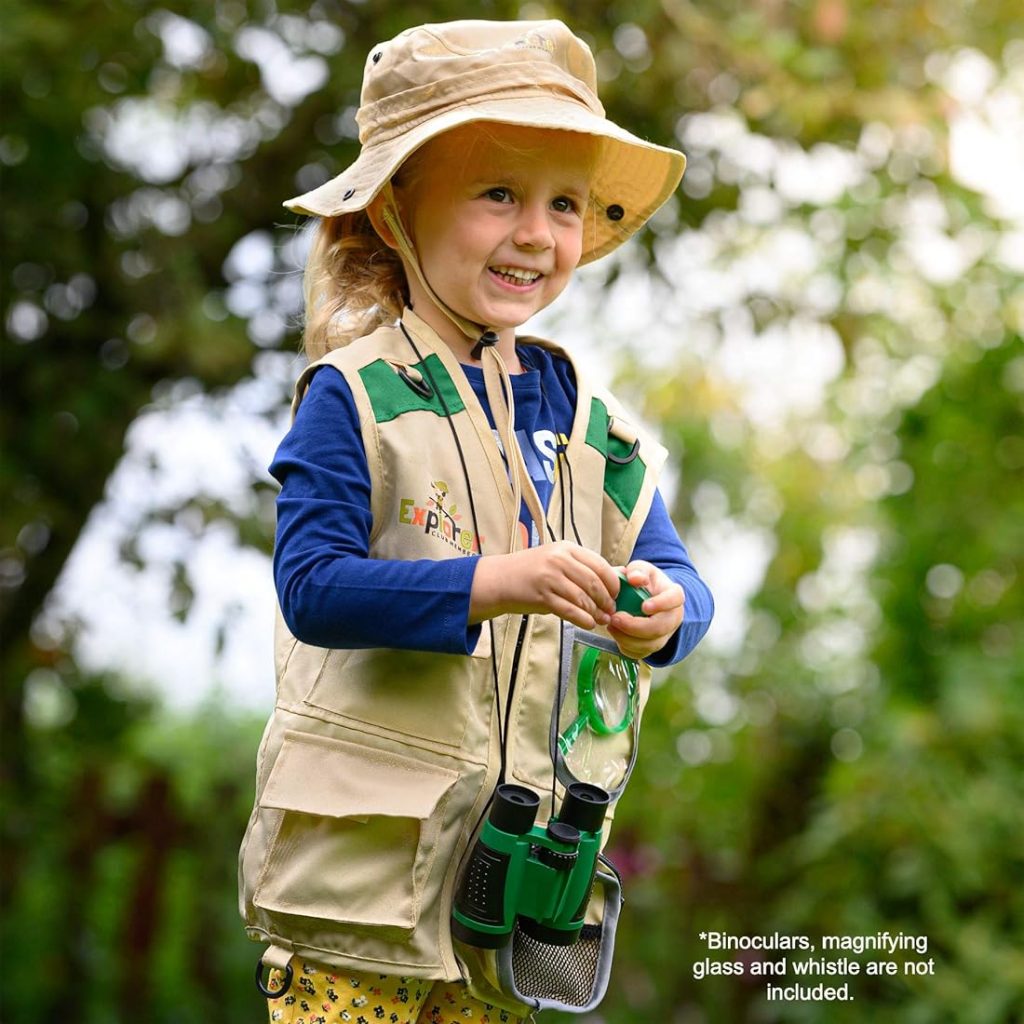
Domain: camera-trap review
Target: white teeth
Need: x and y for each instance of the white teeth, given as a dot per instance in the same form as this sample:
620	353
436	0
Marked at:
526	276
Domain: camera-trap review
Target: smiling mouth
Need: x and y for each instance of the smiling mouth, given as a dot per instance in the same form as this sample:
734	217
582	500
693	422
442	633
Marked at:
515	275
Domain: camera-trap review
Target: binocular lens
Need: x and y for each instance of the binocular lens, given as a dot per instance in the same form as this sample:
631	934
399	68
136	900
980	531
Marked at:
584	806
514	809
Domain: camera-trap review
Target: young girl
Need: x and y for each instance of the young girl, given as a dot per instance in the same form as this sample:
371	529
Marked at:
451	497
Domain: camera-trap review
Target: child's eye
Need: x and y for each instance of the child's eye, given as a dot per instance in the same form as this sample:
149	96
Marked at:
563	204
499	195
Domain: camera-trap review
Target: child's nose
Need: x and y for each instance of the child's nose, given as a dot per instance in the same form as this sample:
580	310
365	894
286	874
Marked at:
533	229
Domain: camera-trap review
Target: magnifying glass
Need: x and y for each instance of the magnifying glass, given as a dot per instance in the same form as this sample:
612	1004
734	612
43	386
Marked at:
606	695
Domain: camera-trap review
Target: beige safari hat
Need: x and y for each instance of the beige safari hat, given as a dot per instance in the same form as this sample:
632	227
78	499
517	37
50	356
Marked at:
433	78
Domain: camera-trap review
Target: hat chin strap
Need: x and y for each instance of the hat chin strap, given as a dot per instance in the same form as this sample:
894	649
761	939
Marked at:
496	377
392	218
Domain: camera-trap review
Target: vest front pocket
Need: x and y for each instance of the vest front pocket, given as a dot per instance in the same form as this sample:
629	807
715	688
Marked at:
356	835
413	694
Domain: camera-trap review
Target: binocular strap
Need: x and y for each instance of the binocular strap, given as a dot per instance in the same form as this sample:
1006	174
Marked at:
573	978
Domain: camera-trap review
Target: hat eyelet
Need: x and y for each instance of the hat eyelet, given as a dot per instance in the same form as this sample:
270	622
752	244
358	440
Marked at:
377	56
349	193
615	212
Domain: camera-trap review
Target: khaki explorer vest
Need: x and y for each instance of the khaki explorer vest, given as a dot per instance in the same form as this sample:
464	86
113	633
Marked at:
376	764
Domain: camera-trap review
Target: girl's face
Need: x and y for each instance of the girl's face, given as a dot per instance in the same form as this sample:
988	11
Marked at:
495	213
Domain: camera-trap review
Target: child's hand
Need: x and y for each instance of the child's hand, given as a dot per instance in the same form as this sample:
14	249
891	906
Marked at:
639	637
563	578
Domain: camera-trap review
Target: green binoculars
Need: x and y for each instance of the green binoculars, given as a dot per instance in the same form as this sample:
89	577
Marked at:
540	876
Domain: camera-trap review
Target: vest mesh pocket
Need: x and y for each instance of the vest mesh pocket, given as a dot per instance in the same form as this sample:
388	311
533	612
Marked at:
563	974
573	978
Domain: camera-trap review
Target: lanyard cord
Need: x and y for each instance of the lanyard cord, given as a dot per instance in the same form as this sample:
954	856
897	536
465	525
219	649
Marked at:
476	530
562	458
555	752
562	455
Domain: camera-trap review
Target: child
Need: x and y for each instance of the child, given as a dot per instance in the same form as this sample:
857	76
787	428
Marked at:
451	496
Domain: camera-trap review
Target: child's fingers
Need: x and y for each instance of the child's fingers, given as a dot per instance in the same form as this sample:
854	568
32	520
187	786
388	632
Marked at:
666	600
595	577
665	594
573	613
639	636
634	647
644	627
581	601
581	578
605	573
641	573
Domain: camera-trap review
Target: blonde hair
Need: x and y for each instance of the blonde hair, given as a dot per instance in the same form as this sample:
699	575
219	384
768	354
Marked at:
353	283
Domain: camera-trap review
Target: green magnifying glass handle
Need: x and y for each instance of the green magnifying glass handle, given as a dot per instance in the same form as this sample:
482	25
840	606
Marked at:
568	738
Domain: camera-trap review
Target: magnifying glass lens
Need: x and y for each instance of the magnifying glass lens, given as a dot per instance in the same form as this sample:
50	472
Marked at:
597	716
611	690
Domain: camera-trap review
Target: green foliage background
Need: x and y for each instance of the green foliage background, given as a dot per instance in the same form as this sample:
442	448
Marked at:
854	764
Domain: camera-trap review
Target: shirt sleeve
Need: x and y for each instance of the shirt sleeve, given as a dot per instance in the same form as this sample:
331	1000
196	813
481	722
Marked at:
331	592
659	544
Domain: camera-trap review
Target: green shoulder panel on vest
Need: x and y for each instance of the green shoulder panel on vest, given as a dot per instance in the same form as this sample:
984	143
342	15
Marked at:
597	427
622	480
390	396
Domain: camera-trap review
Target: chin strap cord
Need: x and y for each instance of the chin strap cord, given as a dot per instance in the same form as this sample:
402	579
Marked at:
487	340
503	409
393	219
496	376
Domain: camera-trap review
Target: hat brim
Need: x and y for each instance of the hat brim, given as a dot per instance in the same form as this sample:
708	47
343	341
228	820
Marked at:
632	177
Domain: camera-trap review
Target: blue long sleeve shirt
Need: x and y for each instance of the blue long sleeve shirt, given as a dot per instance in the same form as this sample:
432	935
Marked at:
332	594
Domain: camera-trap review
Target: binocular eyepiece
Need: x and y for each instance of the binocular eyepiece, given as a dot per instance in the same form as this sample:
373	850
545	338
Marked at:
540	876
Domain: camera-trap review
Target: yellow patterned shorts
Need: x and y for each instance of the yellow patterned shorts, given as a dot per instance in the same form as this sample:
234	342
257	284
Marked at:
324	995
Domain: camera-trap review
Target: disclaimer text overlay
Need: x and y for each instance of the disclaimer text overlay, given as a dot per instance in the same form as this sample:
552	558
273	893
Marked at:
795	968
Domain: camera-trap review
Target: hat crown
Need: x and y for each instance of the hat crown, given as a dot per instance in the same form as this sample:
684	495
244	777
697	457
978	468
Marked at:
470	58
534	74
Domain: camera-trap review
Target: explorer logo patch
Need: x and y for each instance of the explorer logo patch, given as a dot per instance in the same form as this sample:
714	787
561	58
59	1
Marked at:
440	518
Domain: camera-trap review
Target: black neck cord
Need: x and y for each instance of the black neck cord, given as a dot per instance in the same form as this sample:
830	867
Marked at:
476	531
562	457
572	503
